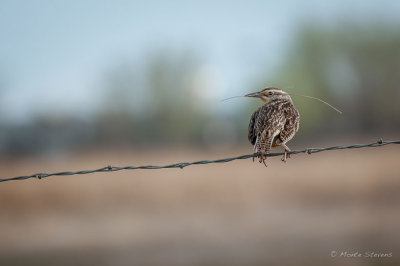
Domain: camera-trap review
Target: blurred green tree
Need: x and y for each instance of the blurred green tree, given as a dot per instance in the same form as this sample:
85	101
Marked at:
152	102
355	67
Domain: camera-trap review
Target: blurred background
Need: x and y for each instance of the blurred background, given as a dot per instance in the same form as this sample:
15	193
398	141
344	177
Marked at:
84	84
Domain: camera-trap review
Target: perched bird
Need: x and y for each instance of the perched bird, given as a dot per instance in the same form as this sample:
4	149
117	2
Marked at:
274	123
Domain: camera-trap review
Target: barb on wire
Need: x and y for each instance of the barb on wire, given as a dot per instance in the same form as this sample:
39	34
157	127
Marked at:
181	165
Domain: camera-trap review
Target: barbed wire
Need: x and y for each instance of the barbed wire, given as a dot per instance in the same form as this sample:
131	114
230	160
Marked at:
181	165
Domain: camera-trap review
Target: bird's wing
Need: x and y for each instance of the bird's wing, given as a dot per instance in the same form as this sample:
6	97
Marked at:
252	134
292	118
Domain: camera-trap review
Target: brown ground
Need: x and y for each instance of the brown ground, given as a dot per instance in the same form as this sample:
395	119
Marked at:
237	213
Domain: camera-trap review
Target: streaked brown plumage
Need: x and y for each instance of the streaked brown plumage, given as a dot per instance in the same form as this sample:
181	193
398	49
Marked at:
274	123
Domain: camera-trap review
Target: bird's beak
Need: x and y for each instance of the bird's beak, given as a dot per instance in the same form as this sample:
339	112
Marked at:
254	94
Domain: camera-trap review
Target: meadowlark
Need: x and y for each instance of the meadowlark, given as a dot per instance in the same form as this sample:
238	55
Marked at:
274	123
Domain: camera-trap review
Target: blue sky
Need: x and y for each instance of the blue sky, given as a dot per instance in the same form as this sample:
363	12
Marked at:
53	53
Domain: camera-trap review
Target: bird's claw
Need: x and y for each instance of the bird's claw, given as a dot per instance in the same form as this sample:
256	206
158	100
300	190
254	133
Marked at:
262	157
285	156
264	163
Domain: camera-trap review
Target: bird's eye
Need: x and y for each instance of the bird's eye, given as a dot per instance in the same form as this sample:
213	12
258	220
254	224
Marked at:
270	93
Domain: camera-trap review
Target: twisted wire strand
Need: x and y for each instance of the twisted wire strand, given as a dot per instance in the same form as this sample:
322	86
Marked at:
181	165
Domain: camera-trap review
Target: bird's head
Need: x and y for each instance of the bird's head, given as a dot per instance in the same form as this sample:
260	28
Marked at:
270	94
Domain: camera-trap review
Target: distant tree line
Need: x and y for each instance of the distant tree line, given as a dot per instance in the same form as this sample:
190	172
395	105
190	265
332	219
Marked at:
152	102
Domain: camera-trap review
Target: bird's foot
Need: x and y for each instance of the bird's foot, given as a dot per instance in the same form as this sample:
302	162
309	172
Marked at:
285	155
262	156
